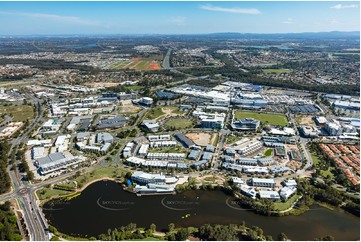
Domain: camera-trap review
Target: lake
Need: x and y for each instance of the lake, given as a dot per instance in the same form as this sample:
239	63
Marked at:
104	205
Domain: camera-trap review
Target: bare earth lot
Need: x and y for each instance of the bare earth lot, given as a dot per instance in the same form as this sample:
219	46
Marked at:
201	139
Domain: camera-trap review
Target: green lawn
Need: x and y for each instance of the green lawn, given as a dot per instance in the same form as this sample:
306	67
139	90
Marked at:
280	206
315	159
109	171
18	112
328	172
154	113
232	139
179	123
276	70
46	193
274	119
268	152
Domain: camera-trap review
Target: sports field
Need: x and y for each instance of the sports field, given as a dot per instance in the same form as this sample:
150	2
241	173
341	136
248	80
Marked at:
274	119
136	64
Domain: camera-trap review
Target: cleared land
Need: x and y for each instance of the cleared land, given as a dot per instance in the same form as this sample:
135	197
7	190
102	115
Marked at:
128	107
276	71
137	64
274	119
178	123
305	120
201	139
19	112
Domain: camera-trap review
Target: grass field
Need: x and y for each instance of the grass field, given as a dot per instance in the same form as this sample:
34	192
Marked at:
19	112
137	64
154	113
274	119
315	159
179	123
276	71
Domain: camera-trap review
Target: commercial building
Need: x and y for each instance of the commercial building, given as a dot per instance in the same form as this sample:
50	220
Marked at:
248	191
151	125
166	156
333	129
263	182
156	144
250	148
55	162
37	152
143	150
161	137
146	101
271	195
212	121
246	124
193	155
309	131
181	138
128	150
286	192
347	105
112	122
320	120
145	178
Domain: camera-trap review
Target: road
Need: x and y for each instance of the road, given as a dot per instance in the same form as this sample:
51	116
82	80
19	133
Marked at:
22	189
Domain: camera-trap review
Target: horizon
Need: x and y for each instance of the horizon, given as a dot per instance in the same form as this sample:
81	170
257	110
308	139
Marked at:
177	18
155	34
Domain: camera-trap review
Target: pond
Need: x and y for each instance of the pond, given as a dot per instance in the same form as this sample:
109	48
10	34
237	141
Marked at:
103	205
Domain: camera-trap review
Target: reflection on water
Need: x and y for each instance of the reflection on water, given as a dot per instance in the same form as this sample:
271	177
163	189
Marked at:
105	205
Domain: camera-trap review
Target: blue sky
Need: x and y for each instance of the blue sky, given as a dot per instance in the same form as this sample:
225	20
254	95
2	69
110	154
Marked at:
177	17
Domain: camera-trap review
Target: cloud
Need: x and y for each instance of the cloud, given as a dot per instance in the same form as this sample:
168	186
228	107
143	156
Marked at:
178	20
340	6
61	18
288	21
231	10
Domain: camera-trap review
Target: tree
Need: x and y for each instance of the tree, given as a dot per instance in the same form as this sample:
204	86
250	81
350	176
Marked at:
171	227
182	234
153	227
282	237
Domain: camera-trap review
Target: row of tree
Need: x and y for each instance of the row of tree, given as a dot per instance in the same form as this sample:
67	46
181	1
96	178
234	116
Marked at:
8	224
5	182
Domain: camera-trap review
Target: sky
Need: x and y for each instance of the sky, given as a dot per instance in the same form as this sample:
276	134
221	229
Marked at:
190	17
